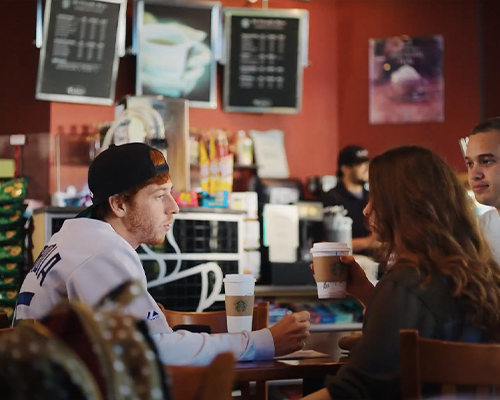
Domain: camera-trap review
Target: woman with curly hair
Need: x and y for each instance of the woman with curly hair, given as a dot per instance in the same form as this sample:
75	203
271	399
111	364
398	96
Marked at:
440	275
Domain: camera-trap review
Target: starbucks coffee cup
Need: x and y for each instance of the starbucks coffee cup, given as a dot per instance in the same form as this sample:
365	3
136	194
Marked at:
329	272
239	289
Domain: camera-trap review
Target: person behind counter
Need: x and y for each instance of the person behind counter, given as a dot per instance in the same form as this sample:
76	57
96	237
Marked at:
482	159
95	253
441	278
352	174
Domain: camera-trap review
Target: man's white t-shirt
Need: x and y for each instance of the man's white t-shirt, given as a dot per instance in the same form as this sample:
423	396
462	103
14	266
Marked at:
490	225
87	259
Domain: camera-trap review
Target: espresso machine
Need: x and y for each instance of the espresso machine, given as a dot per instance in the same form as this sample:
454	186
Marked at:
289	227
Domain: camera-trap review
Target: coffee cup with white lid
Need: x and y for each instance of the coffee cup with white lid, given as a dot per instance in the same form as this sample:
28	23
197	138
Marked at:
239	295
330	273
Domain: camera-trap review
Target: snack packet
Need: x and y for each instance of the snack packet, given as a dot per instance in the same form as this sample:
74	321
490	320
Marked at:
13	191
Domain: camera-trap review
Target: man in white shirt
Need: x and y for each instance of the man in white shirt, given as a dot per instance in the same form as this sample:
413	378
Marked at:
95	253
482	158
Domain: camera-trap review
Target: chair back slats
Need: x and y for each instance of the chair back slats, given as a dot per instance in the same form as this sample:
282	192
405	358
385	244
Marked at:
202	383
481	358
449	391
216	320
457	367
4	320
410	371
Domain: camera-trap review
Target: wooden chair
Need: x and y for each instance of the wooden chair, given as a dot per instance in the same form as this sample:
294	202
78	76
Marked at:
216	320
4	320
203	383
451	365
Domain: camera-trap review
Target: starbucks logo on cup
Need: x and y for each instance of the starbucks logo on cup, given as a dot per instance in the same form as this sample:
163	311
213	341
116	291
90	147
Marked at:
337	268
240	306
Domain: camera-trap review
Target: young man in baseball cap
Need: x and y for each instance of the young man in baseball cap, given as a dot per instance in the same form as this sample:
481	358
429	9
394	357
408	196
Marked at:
95	253
352	174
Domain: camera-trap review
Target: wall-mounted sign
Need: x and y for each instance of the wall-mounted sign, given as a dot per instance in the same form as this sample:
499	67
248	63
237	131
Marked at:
265	53
79	56
406	79
177	46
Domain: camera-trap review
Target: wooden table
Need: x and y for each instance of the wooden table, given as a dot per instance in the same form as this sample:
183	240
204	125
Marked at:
263	371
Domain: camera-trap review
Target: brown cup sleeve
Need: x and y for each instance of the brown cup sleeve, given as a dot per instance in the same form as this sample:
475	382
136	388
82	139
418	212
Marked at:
239	306
329	269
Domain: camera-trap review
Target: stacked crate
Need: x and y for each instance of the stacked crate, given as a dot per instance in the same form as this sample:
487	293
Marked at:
12	241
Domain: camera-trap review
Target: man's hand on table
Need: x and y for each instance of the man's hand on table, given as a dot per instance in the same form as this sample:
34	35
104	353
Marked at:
290	333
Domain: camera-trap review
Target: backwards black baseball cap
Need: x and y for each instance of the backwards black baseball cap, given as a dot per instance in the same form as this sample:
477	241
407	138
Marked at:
352	155
118	169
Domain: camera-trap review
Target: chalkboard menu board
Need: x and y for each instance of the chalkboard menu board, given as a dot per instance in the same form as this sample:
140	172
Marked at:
265	52
79	56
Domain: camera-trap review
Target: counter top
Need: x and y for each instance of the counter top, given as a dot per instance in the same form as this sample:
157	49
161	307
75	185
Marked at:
288	290
76	210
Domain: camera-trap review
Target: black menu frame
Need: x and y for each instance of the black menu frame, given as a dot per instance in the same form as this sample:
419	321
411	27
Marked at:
80	51
193	16
265	53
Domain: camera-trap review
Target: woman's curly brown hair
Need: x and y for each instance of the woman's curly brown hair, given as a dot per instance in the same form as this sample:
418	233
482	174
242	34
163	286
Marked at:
421	209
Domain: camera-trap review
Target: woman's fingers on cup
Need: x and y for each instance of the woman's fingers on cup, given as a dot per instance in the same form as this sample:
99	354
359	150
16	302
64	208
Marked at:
348	260
354	267
312	267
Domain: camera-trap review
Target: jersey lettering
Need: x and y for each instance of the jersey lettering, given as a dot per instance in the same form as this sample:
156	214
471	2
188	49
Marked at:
46	252
44	264
152	315
45	269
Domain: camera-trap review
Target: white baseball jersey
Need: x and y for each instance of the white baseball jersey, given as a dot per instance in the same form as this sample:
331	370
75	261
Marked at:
87	259
490	225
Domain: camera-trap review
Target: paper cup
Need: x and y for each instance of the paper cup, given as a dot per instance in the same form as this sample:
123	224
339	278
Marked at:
239	289
329	272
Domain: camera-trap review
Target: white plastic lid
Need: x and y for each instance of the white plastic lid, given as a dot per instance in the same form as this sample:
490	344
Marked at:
330	246
239	278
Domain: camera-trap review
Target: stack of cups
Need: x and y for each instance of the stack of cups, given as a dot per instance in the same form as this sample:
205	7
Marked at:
329	272
239	289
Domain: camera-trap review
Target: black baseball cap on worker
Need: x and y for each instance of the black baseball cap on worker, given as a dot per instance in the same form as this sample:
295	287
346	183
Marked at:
118	169
352	155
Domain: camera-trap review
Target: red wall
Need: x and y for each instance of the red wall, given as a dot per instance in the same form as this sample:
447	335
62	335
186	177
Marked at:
491	61
311	136
457	22
20	112
335	104
305	134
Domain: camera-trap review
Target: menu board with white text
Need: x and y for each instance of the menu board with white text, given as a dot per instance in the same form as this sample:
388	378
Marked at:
264	59
79	56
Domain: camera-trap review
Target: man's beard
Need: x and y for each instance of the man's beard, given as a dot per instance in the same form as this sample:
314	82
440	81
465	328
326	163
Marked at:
141	229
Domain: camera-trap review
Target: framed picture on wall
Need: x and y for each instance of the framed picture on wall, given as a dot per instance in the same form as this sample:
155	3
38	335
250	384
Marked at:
406	79
265	53
177	48
80	51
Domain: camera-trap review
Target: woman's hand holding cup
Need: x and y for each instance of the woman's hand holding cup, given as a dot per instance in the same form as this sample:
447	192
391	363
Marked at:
357	283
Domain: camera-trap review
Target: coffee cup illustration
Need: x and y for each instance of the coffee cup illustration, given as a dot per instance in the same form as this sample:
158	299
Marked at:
165	48
174	57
